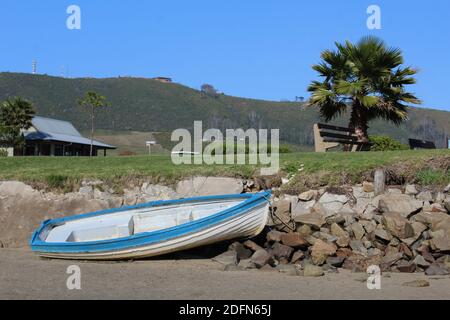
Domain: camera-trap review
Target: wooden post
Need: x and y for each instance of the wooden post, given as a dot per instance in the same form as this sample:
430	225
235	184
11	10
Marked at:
379	181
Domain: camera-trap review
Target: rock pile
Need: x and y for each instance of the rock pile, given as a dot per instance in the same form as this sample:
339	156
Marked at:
402	230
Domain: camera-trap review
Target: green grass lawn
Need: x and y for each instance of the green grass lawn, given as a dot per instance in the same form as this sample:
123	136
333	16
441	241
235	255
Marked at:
161	168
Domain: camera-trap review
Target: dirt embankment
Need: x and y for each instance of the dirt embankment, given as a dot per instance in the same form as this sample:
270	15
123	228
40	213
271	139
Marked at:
23	208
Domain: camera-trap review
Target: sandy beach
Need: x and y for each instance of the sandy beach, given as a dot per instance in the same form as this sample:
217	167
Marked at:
23	275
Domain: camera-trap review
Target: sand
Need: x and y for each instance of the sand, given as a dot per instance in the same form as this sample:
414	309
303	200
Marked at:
23	275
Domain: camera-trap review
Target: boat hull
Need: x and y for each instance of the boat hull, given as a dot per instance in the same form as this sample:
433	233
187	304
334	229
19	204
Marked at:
246	220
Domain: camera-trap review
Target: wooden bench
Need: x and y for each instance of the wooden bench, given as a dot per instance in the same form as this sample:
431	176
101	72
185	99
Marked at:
328	136
416	144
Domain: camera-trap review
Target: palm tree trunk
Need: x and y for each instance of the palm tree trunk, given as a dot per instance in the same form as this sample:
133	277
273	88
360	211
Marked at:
358	123
92	131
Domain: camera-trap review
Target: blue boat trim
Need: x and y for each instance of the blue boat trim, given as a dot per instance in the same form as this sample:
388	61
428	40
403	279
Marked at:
146	238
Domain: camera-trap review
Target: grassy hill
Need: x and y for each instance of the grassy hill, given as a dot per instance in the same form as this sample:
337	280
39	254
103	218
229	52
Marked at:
146	105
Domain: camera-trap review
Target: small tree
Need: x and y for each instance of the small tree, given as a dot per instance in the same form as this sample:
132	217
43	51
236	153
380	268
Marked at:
209	90
93	101
369	79
16	114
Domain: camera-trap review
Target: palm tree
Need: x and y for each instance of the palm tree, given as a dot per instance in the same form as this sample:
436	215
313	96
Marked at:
93	101
367	77
15	115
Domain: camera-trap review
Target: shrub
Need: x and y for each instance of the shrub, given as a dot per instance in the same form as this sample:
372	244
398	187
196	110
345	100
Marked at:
56	181
433	177
385	143
284	149
3	153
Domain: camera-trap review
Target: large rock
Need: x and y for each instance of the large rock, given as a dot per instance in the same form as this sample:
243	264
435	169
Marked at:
406	266
425	196
260	258
343	237
390	259
331	204
203	186
435	207
329	198
411	189
314	219
287	269
437	269
321	250
418	228
87	191
308	195
312	271
246	264
439	198
362	204
227	258
382	234
241	251
440	241
301	208
293	239
369	225
358	247
304	230
297	256
335	261
360	193
274	236
358	230
325	236
447	205
399	203
368	187
421	262
153	192
282	206
280	251
360	263
252	245
397	225
435	220
447	189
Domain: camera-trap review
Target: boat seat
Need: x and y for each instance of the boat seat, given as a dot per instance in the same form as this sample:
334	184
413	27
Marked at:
102	233
148	223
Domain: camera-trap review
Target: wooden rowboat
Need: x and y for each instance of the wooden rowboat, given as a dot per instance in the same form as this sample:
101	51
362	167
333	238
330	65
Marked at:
152	228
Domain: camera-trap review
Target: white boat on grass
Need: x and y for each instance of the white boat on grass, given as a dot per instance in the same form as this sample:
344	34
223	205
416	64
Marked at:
152	228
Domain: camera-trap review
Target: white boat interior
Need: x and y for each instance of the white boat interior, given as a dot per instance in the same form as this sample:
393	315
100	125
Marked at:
130	222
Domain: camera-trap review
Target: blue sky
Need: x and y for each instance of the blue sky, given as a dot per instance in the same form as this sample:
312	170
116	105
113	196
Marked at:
253	48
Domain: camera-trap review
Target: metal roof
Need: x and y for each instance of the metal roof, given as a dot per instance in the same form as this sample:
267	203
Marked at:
57	130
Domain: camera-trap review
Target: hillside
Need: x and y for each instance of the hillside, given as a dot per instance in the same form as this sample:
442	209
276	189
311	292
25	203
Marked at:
147	105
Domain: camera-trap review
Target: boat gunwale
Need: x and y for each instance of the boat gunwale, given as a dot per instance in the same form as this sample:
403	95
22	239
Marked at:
89	246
